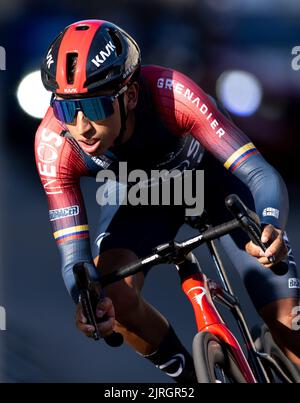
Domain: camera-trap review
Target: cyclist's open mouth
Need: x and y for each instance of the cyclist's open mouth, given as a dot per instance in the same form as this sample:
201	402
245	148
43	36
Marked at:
89	148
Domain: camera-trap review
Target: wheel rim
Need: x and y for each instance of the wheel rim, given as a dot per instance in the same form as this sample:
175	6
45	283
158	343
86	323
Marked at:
213	360
219	368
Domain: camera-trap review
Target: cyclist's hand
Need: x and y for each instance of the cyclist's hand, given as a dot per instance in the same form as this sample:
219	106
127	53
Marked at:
104	306
277	247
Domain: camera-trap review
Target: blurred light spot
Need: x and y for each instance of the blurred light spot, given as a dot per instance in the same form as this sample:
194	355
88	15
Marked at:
32	96
240	92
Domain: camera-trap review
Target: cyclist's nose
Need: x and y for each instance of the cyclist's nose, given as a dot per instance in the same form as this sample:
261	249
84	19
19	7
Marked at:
83	124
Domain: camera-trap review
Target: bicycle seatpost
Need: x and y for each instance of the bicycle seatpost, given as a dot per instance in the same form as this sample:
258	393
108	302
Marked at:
251	225
89	299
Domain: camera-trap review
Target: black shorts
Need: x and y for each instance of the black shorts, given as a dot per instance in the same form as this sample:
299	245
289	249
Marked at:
138	228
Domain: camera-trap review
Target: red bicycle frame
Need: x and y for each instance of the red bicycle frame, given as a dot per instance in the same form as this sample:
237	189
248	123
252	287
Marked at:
199	291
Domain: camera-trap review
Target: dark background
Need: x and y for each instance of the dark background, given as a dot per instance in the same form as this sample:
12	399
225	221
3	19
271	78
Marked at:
201	38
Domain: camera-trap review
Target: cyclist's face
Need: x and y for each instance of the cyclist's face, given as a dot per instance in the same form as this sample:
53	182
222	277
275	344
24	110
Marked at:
96	137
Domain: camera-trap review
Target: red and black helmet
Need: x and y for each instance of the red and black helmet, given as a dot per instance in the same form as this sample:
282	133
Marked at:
89	56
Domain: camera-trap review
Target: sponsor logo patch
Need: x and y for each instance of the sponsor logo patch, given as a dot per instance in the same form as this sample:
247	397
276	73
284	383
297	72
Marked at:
270	211
103	162
63	212
294	283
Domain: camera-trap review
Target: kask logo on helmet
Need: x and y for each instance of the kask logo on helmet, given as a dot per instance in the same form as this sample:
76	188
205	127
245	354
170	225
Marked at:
104	54
49	59
70	90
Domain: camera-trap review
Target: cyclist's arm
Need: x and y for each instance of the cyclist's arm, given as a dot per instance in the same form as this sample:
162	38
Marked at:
60	165
186	109
265	183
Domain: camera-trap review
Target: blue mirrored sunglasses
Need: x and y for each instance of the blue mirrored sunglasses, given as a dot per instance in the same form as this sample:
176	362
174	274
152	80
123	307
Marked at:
94	108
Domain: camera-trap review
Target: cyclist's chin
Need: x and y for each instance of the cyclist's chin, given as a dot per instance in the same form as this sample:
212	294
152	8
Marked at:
93	149
98	148
101	150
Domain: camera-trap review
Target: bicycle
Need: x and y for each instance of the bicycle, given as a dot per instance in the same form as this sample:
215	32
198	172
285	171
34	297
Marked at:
218	357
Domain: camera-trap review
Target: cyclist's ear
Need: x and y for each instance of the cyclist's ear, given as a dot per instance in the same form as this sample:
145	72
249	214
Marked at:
132	95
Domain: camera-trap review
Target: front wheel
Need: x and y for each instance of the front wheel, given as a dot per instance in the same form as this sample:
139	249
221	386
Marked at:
269	347
213	361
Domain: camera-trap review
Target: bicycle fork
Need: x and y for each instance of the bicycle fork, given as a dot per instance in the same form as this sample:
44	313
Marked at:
198	290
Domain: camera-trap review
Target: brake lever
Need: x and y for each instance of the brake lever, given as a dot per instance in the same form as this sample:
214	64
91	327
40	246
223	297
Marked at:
89	300
85	300
254	231
250	224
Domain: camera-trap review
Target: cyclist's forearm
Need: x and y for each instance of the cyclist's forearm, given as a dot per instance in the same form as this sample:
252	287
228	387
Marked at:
268	190
72	253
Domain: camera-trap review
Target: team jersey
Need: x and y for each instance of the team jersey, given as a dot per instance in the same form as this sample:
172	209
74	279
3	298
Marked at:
175	123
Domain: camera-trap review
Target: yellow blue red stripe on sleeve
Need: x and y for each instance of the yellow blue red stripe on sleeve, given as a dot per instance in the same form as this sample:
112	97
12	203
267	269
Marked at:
239	156
67	234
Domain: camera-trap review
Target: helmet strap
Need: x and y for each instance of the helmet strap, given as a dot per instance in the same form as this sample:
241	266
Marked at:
123	120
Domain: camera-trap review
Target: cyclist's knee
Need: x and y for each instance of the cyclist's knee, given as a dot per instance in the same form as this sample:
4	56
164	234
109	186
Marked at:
283	313
126	299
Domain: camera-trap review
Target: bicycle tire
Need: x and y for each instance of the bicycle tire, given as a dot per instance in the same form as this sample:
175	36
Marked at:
212	358
271	348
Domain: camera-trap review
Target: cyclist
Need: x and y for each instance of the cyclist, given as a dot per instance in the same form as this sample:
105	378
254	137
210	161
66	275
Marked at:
107	108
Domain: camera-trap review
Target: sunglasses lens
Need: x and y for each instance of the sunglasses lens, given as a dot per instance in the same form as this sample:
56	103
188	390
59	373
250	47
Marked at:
96	108
64	111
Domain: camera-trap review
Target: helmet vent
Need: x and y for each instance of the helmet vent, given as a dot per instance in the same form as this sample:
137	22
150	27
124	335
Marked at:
82	28
116	41
71	66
